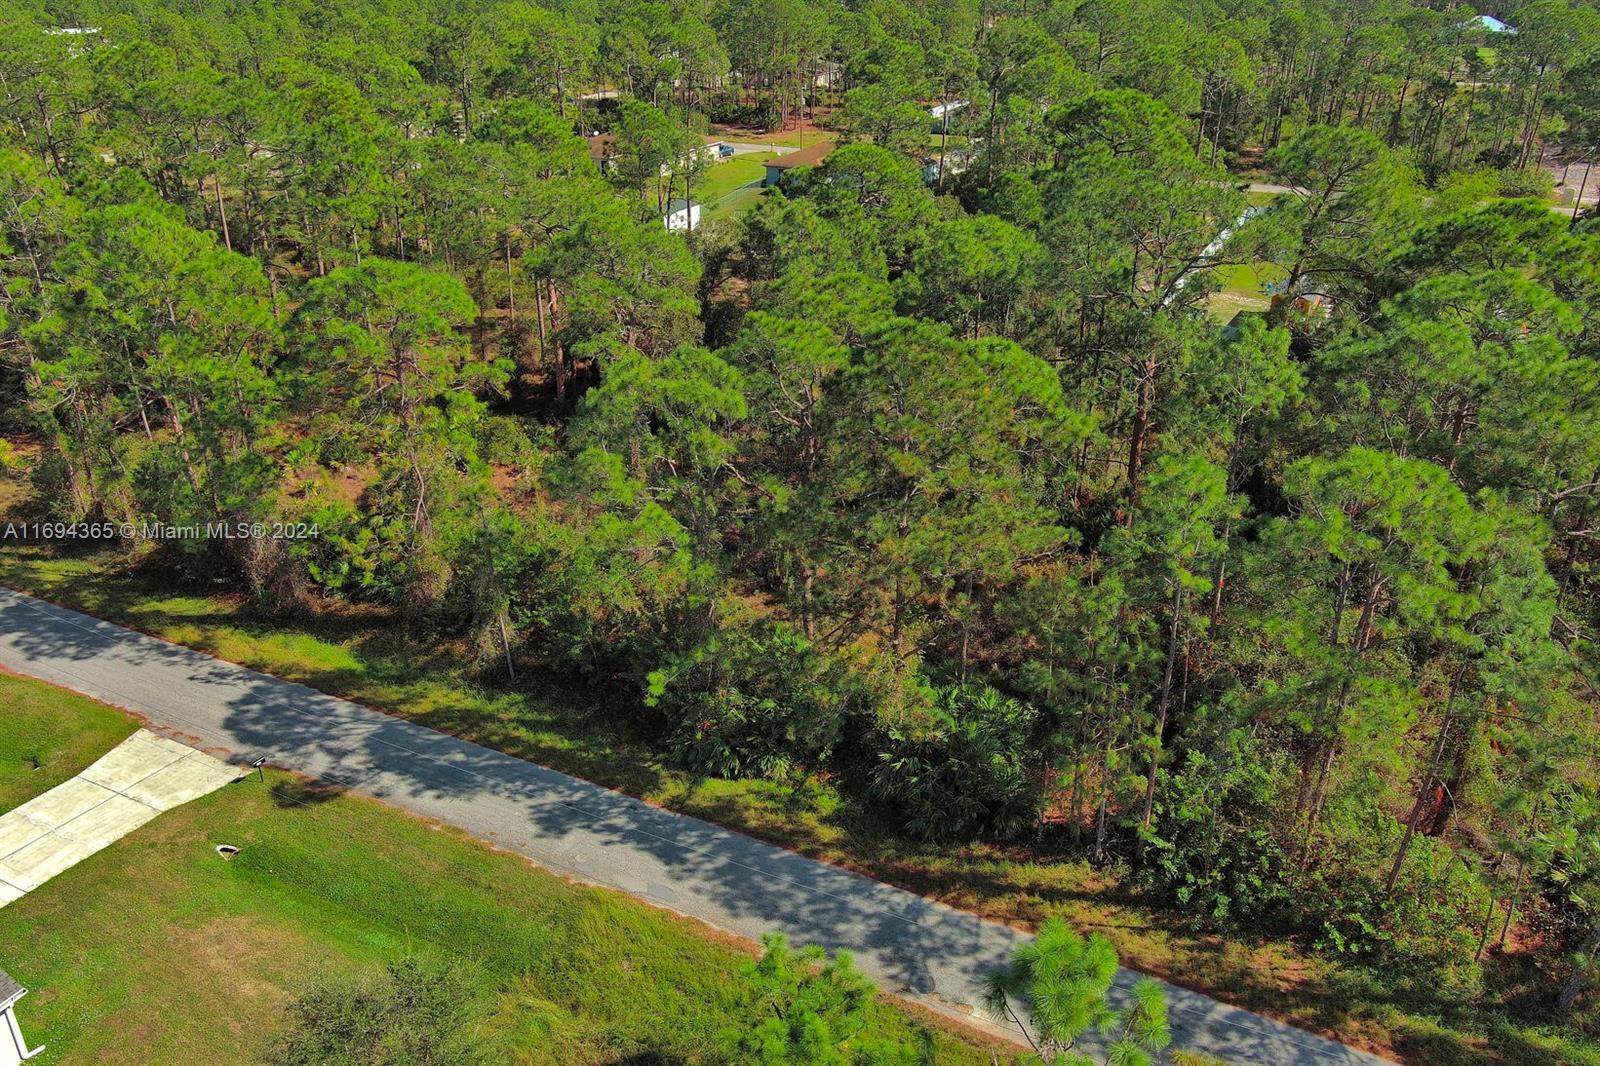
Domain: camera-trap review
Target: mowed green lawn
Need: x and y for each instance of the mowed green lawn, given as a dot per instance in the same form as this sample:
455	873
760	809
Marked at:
724	189
48	736
1241	286
158	950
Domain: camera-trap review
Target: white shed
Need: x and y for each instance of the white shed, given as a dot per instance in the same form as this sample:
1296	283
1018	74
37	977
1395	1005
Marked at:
681	215
13	1049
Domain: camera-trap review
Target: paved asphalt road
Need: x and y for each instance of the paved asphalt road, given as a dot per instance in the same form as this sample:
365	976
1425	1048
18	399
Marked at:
921	949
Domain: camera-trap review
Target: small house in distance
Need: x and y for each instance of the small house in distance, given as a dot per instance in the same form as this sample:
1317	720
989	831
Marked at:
1312	304
805	157
943	113
13	1049
681	215
716	149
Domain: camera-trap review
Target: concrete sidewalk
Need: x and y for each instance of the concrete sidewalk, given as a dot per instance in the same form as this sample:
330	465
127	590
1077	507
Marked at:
923	950
125	788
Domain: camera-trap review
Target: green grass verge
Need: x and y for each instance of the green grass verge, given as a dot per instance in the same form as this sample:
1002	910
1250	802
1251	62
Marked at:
369	658
157	950
1248	278
48	736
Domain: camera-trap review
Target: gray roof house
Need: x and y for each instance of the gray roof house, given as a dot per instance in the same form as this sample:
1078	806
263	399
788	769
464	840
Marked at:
13	1049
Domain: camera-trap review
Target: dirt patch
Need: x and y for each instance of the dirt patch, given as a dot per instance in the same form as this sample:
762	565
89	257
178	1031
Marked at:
238	951
226	965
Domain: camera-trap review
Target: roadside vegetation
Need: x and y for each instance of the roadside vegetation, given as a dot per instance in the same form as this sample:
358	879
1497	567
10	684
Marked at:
334	911
372	658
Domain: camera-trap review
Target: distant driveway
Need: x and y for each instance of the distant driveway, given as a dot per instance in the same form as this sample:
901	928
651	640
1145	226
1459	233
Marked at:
1275	190
934	954
751	147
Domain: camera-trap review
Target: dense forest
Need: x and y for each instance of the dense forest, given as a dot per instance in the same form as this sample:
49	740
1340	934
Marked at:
933	470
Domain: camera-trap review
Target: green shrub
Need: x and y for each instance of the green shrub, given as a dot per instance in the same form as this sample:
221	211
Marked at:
807	1004
812	1010
1536	182
966	770
753	703
414	1015
1213	851
1466	189
1425	930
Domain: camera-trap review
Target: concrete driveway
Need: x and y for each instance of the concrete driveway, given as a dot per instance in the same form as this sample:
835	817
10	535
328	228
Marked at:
125	788
923	950
752	147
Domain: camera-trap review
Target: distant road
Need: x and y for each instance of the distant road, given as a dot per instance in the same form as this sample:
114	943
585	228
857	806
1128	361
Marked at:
1267	186
1560	209
923	950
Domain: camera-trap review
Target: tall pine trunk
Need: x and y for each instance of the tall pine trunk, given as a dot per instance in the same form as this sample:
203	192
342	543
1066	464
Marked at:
1162	705
1422	793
